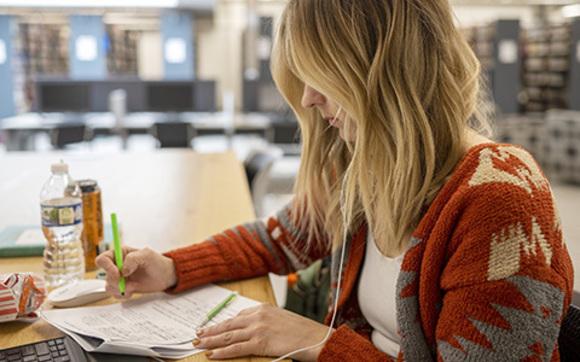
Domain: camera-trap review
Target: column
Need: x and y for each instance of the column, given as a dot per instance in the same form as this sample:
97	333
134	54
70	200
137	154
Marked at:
506	84
87	55
177	45
7	104
574	75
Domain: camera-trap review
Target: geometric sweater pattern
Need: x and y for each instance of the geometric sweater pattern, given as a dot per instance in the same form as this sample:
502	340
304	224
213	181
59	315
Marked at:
487	276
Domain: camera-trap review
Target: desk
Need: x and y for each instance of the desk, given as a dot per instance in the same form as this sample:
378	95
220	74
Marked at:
164	200
18	129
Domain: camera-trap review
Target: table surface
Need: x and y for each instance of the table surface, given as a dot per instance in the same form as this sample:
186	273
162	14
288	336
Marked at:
163	200
134	121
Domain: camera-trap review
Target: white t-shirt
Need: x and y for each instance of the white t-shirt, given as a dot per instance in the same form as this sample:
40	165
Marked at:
377	294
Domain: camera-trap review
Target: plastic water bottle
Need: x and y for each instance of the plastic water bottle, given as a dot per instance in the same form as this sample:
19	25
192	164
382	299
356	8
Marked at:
62	215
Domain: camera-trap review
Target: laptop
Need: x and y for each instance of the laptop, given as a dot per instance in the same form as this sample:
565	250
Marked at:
62	349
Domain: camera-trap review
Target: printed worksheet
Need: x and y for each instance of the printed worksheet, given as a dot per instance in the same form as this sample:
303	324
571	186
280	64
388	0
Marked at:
153	320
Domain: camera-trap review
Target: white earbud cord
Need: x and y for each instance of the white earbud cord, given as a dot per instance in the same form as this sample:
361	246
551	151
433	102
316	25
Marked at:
338	284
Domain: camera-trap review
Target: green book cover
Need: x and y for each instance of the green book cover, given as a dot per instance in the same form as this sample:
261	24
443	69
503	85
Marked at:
28	240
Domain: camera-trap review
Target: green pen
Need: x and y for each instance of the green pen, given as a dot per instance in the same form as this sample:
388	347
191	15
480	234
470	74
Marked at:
118	251
217	309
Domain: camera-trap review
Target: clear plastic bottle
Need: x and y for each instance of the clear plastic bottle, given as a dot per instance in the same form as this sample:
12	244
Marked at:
61	213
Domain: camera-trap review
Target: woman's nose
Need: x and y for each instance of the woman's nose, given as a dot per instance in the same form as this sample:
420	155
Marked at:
311	97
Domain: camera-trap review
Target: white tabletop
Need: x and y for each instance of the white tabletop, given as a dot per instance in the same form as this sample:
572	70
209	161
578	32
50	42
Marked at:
141	120
157	195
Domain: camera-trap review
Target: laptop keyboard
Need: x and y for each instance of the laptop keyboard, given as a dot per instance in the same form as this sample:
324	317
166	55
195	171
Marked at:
51	350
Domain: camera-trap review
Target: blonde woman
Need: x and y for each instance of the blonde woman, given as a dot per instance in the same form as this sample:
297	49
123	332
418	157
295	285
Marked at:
451	244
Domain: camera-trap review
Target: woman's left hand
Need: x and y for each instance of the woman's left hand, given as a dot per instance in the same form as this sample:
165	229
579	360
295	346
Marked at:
262	331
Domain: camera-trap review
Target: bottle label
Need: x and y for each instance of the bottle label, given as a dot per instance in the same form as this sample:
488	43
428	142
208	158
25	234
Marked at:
61	215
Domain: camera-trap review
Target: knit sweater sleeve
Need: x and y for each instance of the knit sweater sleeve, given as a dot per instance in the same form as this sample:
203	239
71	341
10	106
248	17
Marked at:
507	281
347	345
275	245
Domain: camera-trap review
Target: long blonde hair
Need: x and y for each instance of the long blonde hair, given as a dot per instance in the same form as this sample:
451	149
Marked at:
408	80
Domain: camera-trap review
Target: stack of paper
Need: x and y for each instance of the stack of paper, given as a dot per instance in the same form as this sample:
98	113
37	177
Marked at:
156	325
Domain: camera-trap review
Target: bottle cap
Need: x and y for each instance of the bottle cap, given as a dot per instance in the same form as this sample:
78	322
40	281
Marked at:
87	185
59	168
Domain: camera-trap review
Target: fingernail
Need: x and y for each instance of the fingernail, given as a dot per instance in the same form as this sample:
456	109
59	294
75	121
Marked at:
200	332
196	342
208	353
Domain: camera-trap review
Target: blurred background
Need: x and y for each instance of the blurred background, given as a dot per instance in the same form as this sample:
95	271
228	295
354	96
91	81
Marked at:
97	76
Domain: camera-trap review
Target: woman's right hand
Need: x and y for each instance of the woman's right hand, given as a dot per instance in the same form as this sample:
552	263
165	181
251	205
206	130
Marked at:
144	270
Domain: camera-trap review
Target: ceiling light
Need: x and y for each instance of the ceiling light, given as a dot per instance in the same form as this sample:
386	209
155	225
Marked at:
571	11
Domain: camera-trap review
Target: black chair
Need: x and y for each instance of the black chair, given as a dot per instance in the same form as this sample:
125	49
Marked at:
569	339
173	134
257	166
66	134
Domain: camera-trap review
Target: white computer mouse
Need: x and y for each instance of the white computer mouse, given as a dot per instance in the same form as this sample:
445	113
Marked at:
78	293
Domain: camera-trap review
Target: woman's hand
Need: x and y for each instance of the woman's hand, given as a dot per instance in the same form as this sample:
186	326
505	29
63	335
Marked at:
262	331
144	270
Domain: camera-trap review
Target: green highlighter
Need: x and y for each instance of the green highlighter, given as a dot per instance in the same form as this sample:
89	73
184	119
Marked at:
118	251
217	309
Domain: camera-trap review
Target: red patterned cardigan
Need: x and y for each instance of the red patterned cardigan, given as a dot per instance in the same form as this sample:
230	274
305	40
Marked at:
487	277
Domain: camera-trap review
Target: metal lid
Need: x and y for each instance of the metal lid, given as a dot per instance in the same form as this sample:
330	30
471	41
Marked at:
87	185
59	168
